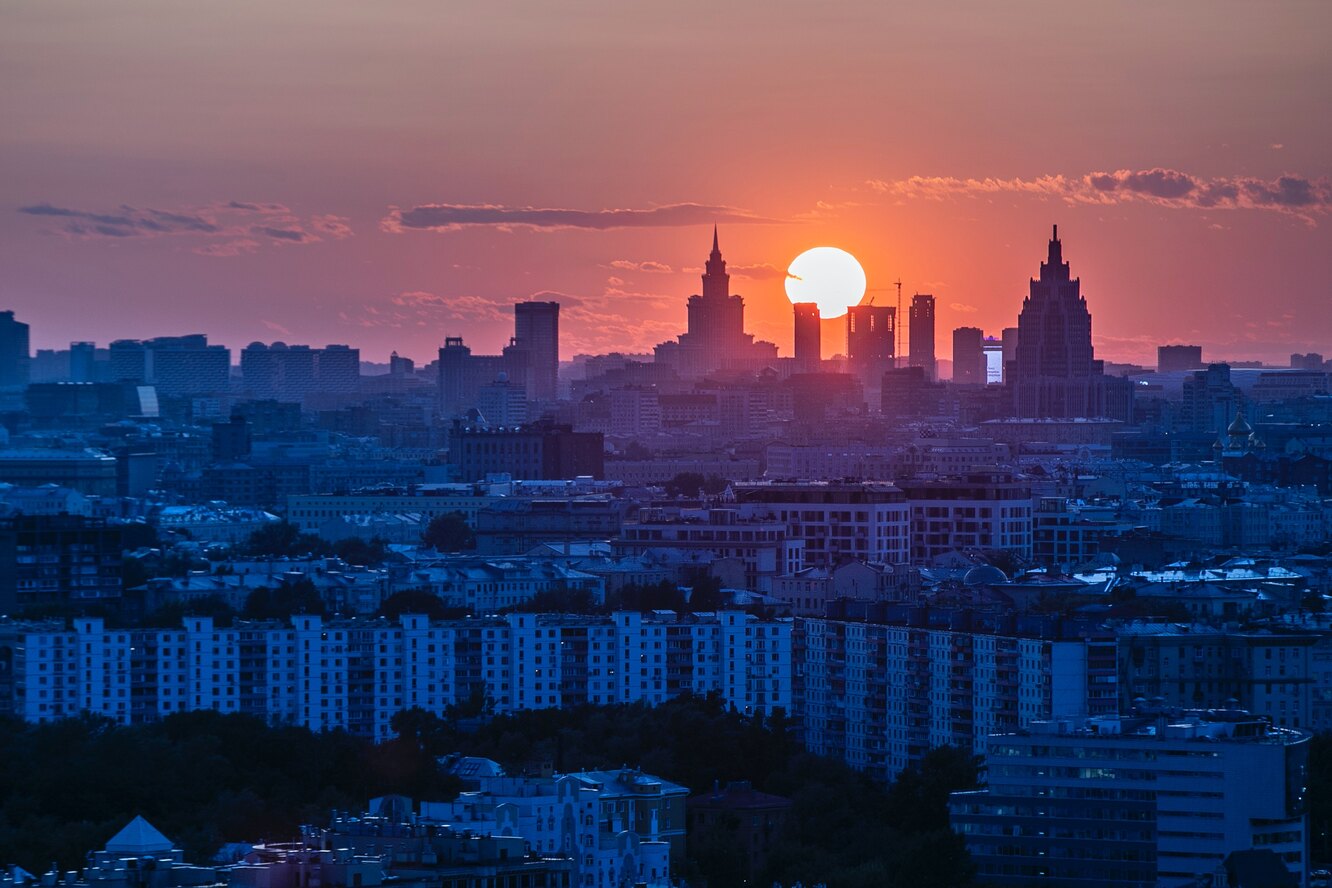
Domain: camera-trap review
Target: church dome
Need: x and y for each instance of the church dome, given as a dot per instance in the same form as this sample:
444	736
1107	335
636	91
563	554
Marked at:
1240	426
984	575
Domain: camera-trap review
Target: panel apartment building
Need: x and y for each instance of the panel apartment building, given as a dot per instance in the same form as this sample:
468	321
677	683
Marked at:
357	674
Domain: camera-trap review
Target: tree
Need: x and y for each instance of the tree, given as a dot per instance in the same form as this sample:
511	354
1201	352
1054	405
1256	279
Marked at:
559	600
449	533
282	601
419	601
355	550
283	539
690	484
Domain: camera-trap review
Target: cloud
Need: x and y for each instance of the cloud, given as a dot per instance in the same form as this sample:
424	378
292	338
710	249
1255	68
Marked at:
1290	194
336	227
650	266
220	229
295	235
761	272
276	327
962	307
453	217
416	308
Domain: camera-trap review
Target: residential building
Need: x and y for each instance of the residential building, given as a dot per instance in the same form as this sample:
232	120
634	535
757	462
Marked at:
921	334
837	521
980	510
880	691
808	337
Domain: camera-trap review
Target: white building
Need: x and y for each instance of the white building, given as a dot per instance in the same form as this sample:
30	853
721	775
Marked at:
838	522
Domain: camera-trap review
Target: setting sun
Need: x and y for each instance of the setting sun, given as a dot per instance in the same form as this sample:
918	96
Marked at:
828	276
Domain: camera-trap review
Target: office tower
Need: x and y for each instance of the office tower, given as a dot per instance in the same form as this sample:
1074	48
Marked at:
1171	358
1208	401
461	374
921	330
968	356
14	354
716	337
1055	371
82	362
536	329
808	342
1010	341
870	345
400	366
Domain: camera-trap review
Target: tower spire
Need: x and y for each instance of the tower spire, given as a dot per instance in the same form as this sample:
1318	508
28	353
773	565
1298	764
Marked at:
716	250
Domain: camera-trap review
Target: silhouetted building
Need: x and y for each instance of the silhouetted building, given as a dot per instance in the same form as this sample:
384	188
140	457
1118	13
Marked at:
14	354
296	372
1010	341
1172	358
968	356
716	337
537	452
752	822
463	374
909	392
58	559
808	339
1055	372
870	345
1209	401
82	362
921	331
176	365
536	330
231	440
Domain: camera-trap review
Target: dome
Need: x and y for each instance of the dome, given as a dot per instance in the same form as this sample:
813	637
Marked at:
985	575
1240	426
503	377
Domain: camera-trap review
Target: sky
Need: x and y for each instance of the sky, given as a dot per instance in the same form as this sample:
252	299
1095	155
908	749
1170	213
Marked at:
385	174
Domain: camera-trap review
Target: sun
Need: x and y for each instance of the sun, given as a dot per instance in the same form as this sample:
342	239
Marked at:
829	276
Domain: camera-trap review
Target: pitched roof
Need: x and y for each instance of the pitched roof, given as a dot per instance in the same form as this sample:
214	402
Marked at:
138	838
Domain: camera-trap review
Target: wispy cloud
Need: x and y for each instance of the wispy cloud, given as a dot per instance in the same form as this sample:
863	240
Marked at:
231	228
452	217
1291	194
651	266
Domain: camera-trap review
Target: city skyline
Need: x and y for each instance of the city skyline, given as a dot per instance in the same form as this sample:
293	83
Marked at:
331	191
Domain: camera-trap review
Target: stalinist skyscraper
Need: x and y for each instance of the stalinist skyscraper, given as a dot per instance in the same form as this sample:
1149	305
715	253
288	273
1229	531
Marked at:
1055	371
716	338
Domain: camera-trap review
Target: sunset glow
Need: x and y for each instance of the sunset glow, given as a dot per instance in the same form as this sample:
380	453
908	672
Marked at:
828	276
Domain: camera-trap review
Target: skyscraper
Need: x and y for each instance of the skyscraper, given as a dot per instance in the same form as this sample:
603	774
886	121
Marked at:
14	354
716	338
921	330
808	339
870	332
1055	371
968	356
536	329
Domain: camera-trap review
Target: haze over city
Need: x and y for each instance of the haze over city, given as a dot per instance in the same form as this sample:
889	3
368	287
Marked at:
342	172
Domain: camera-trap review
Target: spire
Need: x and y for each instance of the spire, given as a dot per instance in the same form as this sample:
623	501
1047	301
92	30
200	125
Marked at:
716	282
1056	257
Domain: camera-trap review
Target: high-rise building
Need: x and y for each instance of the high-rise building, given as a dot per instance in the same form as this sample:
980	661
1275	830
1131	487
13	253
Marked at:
808	341
1055	371
536	329
1170	358
176	365
1150	799
14	354
337	369
82	362
716	337
968	356
1010	341
870	345
921	330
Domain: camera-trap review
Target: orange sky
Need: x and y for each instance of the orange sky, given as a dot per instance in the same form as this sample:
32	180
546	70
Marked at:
367	173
